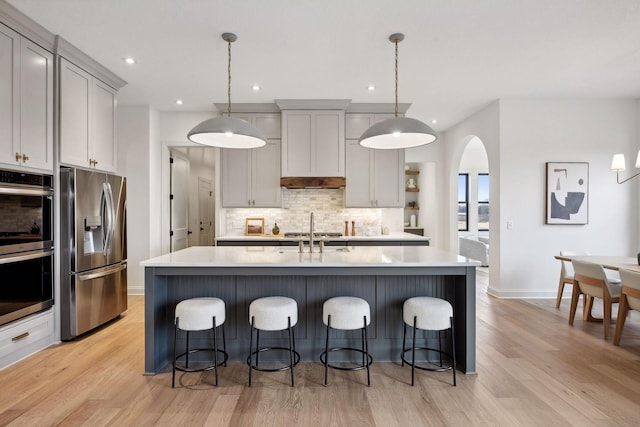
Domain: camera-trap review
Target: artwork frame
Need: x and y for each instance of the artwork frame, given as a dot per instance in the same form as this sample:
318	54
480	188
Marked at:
567	193
254	227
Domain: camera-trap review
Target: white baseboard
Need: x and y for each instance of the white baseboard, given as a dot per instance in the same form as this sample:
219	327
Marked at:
135	290
521	294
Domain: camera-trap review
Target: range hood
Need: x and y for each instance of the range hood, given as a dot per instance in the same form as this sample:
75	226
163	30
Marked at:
313	182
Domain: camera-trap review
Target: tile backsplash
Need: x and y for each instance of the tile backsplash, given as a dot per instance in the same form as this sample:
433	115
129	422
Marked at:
329	213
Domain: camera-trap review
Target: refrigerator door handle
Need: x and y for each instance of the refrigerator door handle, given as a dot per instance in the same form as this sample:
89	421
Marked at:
107	271
107	217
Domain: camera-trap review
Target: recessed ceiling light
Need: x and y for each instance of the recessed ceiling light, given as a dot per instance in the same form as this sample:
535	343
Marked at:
179	101
255	87
129	60
371	88
434	121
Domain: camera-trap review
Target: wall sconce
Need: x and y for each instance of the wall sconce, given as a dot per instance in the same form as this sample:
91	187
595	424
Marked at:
618	164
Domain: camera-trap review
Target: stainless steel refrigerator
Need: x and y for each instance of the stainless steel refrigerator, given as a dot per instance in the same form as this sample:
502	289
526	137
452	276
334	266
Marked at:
93	248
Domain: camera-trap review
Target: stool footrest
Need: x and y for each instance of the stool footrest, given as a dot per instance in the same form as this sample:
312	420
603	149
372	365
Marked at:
296	359
425	368
358	367
183	368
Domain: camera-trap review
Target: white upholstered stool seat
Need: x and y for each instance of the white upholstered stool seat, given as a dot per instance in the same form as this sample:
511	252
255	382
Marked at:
431	314
273	314
199	314
347	313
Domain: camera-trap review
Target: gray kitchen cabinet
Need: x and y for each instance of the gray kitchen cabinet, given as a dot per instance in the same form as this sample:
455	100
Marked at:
26	102
374	177
251	178
87	119
313	143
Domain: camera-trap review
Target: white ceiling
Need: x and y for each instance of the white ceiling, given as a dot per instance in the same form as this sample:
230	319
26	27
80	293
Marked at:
458	55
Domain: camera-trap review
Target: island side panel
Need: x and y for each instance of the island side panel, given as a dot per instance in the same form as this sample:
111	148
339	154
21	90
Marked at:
155	322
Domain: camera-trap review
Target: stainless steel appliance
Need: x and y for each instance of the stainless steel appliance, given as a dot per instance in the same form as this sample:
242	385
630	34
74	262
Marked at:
26	245
93	250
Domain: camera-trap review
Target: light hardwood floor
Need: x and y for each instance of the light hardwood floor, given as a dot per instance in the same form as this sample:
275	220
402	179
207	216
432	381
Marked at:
533	369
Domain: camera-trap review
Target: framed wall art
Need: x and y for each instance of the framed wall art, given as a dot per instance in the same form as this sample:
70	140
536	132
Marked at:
254	226
567	193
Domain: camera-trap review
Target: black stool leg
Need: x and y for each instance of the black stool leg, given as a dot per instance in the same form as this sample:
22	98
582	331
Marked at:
215	351
175	338
257	346
290	349
187	355
326	351
413	351
224	345
366	351
440	346
453	350
251	349
404	341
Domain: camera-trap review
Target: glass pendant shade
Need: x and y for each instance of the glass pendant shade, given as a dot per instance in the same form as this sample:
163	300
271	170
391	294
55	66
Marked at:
227	132
397	132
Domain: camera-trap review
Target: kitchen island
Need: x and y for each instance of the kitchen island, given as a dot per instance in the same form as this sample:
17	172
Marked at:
382	275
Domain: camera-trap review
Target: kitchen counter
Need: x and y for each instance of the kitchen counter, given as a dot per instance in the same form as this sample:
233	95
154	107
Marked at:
382	275
391	239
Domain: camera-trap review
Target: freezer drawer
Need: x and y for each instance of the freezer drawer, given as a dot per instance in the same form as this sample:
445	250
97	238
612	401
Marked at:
96	297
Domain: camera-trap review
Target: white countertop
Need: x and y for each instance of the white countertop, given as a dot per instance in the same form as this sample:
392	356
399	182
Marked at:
278	256
398	235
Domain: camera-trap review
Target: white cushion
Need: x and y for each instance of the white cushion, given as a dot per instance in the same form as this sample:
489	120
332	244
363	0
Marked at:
432	313
346	312
272	313
196	314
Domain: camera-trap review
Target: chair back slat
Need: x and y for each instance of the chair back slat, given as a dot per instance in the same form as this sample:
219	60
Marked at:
631	287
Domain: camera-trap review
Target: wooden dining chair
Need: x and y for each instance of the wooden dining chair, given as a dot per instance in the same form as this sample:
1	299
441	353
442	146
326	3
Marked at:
590	279
629	300
566	273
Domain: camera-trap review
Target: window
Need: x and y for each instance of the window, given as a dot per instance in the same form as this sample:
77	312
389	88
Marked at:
463	202
483	202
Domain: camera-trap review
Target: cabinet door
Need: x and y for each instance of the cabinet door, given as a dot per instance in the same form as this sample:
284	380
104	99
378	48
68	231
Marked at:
296	143
265	176
359	190
75	87
36	106
236	178
328	151
388	178
9	88
103	112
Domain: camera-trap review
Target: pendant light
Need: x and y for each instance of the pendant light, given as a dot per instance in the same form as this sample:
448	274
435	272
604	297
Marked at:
227	132
398	132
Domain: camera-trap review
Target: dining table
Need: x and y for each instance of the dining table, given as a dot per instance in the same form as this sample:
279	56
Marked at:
606	261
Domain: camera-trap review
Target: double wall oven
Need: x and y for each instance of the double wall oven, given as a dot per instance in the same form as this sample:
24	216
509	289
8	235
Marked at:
26	244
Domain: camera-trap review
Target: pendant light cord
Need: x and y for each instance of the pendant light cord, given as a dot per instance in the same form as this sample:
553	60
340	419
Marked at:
396	43
229	80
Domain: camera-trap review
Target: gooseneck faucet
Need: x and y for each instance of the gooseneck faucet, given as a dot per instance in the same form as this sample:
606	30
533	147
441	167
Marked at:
311	228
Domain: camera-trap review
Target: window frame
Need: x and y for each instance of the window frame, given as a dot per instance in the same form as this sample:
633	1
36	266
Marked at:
481	203
465	202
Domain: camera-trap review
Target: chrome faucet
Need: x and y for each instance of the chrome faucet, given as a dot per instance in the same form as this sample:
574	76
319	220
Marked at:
311	228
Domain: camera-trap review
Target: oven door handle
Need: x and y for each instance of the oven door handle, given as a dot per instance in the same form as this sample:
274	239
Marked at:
25	191
11	258
107	271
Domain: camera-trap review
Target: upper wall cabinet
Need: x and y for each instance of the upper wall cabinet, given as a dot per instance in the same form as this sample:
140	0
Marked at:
87	119
251	178
374	177
313	143
26	102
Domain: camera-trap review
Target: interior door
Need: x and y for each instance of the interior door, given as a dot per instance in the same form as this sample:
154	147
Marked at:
179	200
205	218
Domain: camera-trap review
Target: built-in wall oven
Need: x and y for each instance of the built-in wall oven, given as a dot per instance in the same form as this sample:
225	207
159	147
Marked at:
26	244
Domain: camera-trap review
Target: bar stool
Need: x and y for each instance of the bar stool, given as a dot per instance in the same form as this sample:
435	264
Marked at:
347	313
199	314
432	314
273	314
